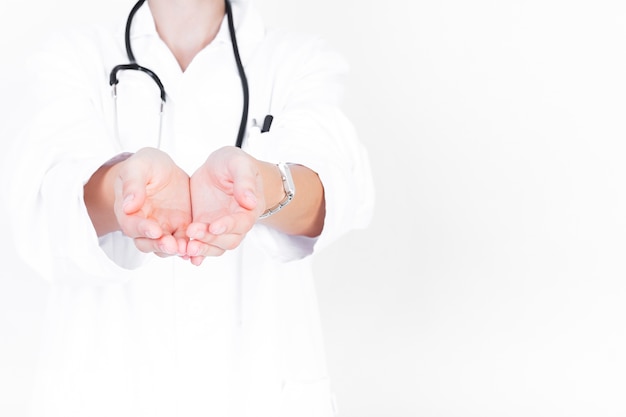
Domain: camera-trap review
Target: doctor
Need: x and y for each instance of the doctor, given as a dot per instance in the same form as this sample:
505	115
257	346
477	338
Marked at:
179	264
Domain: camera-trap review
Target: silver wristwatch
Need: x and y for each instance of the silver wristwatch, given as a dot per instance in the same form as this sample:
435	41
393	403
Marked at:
288	186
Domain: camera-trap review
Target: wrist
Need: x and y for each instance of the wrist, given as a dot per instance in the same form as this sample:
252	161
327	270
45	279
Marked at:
99	195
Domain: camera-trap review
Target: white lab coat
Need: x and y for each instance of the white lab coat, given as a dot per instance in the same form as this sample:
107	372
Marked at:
130	334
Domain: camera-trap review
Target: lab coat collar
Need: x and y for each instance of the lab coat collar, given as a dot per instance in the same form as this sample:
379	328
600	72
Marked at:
143	22
149	49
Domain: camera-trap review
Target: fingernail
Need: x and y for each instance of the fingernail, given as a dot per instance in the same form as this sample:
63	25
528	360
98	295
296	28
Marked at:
128	199
250	197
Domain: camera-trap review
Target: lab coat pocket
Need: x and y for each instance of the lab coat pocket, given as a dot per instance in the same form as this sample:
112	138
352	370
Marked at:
307	399
258	127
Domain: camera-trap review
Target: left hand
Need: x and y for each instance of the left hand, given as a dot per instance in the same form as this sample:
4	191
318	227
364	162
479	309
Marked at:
227	199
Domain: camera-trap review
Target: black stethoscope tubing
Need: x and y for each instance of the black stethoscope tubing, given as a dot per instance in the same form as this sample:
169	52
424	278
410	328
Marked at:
133	65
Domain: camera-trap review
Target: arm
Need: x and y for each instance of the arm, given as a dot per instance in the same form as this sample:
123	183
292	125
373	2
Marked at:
310	129
99	197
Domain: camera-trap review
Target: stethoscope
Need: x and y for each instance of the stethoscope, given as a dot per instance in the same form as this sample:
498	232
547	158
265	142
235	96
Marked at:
133	65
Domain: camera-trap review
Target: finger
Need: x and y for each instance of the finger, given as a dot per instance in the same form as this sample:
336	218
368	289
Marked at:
181	241
237	223
208	232
224	242
166	245
197	248
135	226
237	226
197	230
197	260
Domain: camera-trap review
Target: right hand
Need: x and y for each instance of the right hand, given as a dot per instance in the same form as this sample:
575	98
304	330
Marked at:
152	202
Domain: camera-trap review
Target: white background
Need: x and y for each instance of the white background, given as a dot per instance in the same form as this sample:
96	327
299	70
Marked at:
491	282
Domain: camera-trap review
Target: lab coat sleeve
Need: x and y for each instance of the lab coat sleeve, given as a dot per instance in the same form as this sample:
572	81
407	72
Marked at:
309	128
58	139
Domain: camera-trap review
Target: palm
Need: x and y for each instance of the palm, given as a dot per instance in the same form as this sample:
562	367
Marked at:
168	201
153	202
212	199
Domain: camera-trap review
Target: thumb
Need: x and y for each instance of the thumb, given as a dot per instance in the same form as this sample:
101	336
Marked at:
131	190
245	187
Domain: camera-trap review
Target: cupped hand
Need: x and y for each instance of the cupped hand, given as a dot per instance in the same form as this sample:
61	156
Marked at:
153	202
226	201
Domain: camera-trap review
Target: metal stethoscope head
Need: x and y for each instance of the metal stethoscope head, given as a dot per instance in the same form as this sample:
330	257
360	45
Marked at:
134	66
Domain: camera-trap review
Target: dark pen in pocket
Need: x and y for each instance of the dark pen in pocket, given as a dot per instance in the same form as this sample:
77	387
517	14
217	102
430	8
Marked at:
267	123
